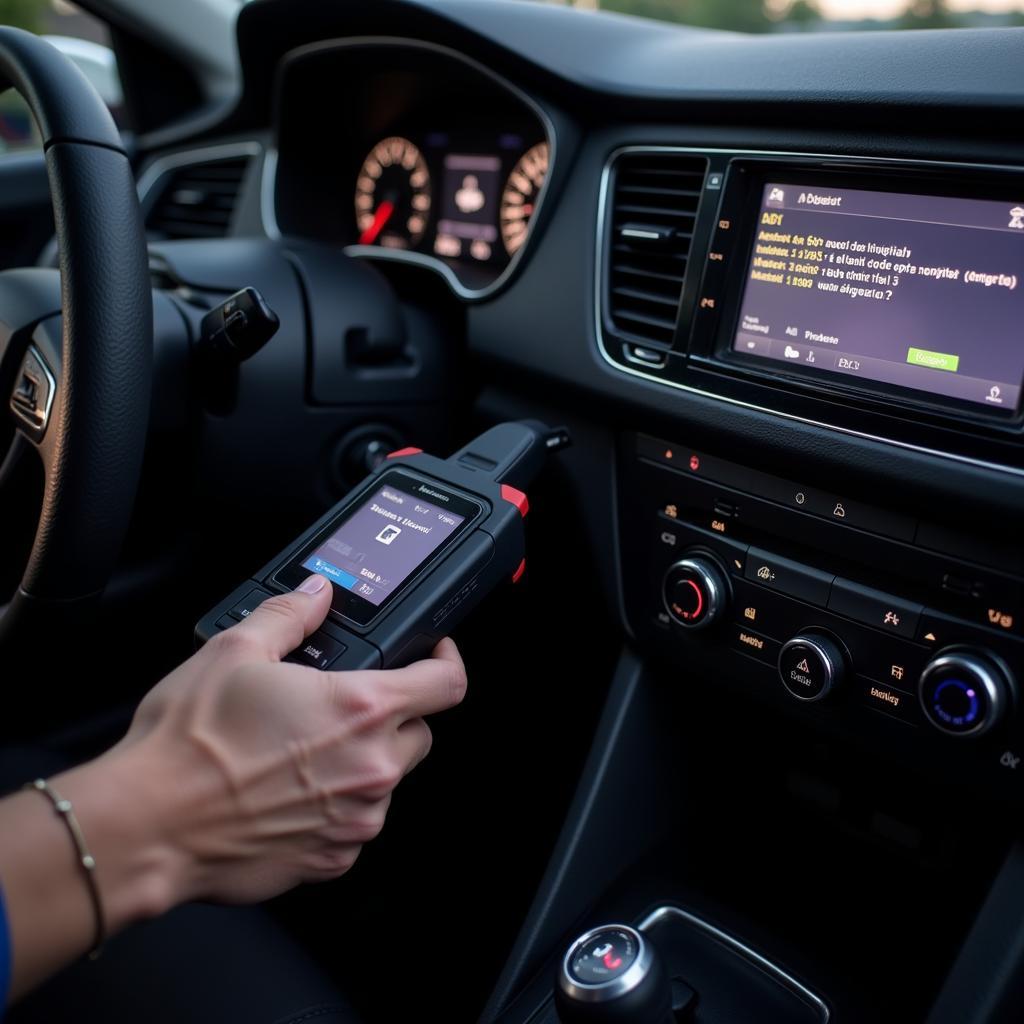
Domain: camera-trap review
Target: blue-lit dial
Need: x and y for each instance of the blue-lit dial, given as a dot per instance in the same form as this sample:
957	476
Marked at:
964	693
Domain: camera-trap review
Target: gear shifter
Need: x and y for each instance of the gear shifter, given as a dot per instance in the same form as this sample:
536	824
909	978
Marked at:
612	974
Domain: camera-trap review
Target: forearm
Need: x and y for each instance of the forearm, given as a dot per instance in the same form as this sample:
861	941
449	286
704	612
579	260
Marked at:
50	913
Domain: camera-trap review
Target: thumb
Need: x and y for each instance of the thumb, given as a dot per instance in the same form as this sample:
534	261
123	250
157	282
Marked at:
282	622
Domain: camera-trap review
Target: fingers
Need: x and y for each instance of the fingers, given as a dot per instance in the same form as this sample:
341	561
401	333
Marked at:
282	622
414	743
422	688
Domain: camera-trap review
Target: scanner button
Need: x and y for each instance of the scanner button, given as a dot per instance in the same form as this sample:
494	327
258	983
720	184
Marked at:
248	605
318	651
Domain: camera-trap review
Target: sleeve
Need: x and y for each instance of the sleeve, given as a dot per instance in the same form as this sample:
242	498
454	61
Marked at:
5	955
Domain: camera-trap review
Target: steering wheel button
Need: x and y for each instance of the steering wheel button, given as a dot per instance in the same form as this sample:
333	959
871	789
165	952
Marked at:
318	651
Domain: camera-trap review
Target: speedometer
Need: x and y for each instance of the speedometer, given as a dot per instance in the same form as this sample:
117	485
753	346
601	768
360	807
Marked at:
393	195
520	196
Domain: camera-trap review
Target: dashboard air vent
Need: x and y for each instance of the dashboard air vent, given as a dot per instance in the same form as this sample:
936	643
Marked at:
653	211
198	200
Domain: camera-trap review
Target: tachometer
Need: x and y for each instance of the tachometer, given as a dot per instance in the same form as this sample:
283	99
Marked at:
520	196
393	195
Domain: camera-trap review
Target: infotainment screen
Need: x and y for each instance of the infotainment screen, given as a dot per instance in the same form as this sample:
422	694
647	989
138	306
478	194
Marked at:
908	290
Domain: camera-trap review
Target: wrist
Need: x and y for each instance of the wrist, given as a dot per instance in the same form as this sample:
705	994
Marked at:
123	816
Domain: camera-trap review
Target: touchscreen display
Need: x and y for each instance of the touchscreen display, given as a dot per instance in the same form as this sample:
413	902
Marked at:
916	291
383	542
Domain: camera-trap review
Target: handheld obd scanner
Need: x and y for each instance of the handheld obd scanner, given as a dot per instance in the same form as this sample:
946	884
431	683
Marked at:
410	552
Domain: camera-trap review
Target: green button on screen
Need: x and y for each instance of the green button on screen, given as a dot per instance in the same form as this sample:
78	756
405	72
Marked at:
933	360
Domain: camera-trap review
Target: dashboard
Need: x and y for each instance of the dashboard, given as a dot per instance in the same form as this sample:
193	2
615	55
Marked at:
826	323
829	310
774	287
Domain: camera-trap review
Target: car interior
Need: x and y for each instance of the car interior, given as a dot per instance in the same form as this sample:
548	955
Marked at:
743	739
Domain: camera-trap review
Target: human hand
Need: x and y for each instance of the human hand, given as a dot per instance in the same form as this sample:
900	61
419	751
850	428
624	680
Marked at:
266	773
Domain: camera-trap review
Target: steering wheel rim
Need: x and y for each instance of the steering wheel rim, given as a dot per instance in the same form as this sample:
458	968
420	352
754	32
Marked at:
95	433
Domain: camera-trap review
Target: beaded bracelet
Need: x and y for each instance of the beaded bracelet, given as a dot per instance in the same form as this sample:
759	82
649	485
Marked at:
85	859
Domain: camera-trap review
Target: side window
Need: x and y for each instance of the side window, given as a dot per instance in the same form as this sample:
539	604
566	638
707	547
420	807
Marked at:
79	36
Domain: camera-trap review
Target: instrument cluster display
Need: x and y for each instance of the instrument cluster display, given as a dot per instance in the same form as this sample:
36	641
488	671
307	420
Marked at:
465	201
432	160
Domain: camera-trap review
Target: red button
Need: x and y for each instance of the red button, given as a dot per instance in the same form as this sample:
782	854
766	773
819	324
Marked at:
404	451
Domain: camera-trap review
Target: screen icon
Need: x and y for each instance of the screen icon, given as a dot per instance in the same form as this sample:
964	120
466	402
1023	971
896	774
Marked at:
470	197
776	195
1017	218
388	534
791	353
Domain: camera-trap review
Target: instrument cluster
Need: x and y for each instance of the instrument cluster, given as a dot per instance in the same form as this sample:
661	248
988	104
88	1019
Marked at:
399	150
465	201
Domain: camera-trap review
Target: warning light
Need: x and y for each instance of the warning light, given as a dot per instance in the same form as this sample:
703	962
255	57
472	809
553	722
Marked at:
611	961
694	463
668	453
803	666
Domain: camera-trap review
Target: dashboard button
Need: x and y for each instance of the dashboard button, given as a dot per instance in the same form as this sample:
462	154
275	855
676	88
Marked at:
890	701
801	581
746	641
1000	616
873	608
770	614
863	517
673	533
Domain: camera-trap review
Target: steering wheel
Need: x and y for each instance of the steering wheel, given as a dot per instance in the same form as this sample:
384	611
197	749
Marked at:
80	398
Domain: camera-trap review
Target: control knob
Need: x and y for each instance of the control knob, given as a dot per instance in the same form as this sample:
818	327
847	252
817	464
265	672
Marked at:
694	591
965	692
811	665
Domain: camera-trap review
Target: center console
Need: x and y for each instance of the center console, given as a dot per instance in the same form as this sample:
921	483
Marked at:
878	298
896	631
810	763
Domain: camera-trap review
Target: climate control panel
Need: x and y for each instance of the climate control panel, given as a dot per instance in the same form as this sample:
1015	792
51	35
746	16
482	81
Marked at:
849	620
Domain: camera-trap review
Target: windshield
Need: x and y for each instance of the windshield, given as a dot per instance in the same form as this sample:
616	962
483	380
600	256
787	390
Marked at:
819	15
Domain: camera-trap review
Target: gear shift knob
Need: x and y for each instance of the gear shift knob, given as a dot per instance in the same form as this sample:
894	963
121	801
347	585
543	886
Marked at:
612	974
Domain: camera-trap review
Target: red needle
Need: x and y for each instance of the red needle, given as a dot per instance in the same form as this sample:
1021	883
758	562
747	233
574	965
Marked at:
380	218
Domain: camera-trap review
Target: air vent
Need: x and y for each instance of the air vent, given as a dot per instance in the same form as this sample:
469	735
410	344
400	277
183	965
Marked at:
197	200
653	211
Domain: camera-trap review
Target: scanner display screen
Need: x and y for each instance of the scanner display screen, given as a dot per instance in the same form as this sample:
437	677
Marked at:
384	541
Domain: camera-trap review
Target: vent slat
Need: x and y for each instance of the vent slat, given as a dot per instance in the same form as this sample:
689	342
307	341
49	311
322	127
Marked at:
660	322
625	268
646	209
198	200
651	190
671	300
644	279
